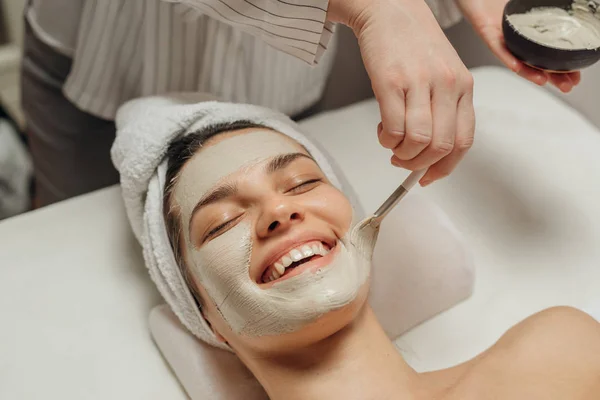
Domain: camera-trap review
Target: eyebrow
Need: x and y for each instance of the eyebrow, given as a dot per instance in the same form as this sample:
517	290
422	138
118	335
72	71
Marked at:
231	189
283	160
220	193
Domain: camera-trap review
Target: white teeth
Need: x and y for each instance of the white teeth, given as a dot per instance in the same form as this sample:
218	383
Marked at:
307	251
320	249
277	270
323	250
296	255
286	261
273	273
280	268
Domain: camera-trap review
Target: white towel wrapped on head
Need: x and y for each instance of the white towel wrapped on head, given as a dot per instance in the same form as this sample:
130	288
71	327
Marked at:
145	129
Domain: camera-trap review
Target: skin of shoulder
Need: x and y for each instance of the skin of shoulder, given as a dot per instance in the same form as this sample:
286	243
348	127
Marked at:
554	354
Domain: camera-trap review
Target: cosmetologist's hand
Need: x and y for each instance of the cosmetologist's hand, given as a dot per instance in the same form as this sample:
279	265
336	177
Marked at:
425	92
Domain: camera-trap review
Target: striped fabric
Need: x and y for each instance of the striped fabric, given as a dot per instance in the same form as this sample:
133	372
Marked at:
264	52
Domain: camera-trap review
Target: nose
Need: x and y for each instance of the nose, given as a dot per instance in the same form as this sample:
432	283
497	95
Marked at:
278	215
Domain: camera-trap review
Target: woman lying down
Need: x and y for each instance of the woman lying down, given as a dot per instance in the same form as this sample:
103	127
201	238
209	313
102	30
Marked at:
257	251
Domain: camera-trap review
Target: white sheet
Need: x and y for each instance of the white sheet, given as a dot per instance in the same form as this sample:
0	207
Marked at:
526	199
74	301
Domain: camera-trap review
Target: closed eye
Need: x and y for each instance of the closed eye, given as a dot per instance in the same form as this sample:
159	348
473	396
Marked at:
304	186
219	229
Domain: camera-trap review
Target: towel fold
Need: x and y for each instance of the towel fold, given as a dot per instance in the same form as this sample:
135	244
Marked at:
145	129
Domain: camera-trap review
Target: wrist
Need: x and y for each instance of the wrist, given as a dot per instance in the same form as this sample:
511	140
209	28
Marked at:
347	12
469	7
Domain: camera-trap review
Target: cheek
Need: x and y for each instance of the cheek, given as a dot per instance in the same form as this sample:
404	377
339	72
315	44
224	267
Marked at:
214	317
207	308
332	206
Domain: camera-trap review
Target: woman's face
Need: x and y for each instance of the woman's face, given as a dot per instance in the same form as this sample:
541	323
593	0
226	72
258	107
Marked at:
265	237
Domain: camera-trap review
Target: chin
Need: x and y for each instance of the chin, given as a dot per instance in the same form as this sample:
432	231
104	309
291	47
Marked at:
326	326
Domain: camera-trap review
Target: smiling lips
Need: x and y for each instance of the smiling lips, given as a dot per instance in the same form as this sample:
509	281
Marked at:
297	256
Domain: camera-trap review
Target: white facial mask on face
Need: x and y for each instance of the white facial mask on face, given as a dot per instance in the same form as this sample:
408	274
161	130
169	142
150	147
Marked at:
222	265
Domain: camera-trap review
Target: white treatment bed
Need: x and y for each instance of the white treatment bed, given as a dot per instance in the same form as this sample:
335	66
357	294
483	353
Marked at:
75	295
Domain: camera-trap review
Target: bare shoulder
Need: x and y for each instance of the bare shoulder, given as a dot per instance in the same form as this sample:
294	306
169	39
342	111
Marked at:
562	333
554	354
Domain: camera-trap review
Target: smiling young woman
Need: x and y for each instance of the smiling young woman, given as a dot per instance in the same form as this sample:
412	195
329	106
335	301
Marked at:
268	247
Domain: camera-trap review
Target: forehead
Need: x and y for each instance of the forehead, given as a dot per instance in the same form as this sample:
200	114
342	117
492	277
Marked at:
226	156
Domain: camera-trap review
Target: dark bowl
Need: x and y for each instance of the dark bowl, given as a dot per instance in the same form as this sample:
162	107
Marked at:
537	55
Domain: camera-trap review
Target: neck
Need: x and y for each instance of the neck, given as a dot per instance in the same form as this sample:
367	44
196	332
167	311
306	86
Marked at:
358	362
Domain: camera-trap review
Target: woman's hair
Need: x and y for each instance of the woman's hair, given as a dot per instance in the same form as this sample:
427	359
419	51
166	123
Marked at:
179	152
